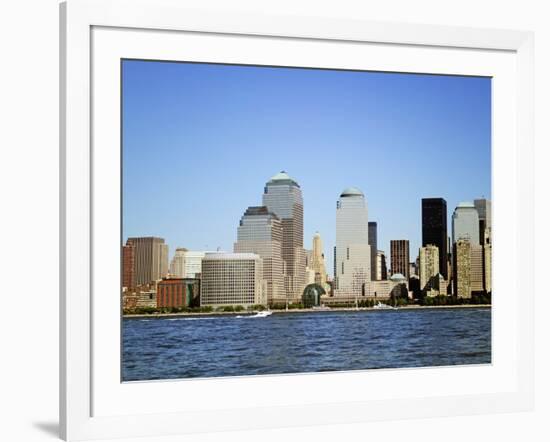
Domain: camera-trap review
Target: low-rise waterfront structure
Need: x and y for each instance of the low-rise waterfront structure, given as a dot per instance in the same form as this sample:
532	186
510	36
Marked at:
177	292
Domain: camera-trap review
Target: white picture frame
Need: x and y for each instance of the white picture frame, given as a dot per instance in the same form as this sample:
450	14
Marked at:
90	404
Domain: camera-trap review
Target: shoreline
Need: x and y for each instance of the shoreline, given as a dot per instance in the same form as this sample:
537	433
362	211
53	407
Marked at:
331	310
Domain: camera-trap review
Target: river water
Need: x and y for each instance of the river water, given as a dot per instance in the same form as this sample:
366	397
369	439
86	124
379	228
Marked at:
190	347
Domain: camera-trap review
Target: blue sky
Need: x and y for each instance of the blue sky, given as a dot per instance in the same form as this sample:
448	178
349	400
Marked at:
201	140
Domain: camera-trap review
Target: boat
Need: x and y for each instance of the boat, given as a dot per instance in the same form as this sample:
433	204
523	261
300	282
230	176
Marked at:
381	306
320	307
262	314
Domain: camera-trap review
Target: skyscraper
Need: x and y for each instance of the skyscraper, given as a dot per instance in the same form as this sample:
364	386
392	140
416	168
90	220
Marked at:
429	265
487	253
462	258
466	223
483	207
283	197
434	228
177	265
352	243
128	264
399	255
381	268
318	260
373	243
261	232
150	259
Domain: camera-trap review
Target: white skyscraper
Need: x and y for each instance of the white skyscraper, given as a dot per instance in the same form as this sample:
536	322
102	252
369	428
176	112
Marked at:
352	244
177	265
466	223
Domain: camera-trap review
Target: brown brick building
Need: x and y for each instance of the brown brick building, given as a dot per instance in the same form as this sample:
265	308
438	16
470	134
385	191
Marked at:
399	255
178	292
128	262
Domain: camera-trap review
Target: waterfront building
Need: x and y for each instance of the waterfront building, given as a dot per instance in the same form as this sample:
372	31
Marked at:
139	296
487	255
381	267
232	279
192	262
476	268
318	260
399	286
177	265
414	286
150	259
128	265
437	286
466	223
462	268
399	255
312	295
380	290
177	292
483	207
261	232
352	243
429	265
283	197
373	243
434	228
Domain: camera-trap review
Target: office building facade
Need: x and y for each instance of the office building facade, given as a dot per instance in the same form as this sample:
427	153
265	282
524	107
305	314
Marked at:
434	228
399	256
128	265
466	223
150	259
373	243
429	265
232	279
283	197
261	232
177	264
352	243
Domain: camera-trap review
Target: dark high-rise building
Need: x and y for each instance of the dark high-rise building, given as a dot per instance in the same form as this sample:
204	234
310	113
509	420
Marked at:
483	207
373	243
434	228
399	255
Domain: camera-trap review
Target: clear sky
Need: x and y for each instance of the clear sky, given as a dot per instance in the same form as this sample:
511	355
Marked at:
201	140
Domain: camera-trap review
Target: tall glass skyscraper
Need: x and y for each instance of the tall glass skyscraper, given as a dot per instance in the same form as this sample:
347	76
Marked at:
261	232
352	243
434	228
283	197
466	223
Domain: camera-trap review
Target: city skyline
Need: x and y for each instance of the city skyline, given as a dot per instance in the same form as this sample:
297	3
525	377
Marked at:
197	194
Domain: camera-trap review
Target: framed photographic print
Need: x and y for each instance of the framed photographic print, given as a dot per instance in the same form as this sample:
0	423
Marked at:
290	220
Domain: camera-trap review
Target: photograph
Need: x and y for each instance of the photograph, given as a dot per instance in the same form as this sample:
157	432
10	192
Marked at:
289	220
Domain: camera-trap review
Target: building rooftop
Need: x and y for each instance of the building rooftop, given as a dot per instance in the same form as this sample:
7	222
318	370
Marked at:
282	178
465	204
397	277
352	191
230	256
259	210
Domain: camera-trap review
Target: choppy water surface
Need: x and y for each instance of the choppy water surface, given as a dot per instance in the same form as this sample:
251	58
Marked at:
191	347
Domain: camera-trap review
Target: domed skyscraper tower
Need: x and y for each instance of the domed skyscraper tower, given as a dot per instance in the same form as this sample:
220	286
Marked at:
283	197
352	257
